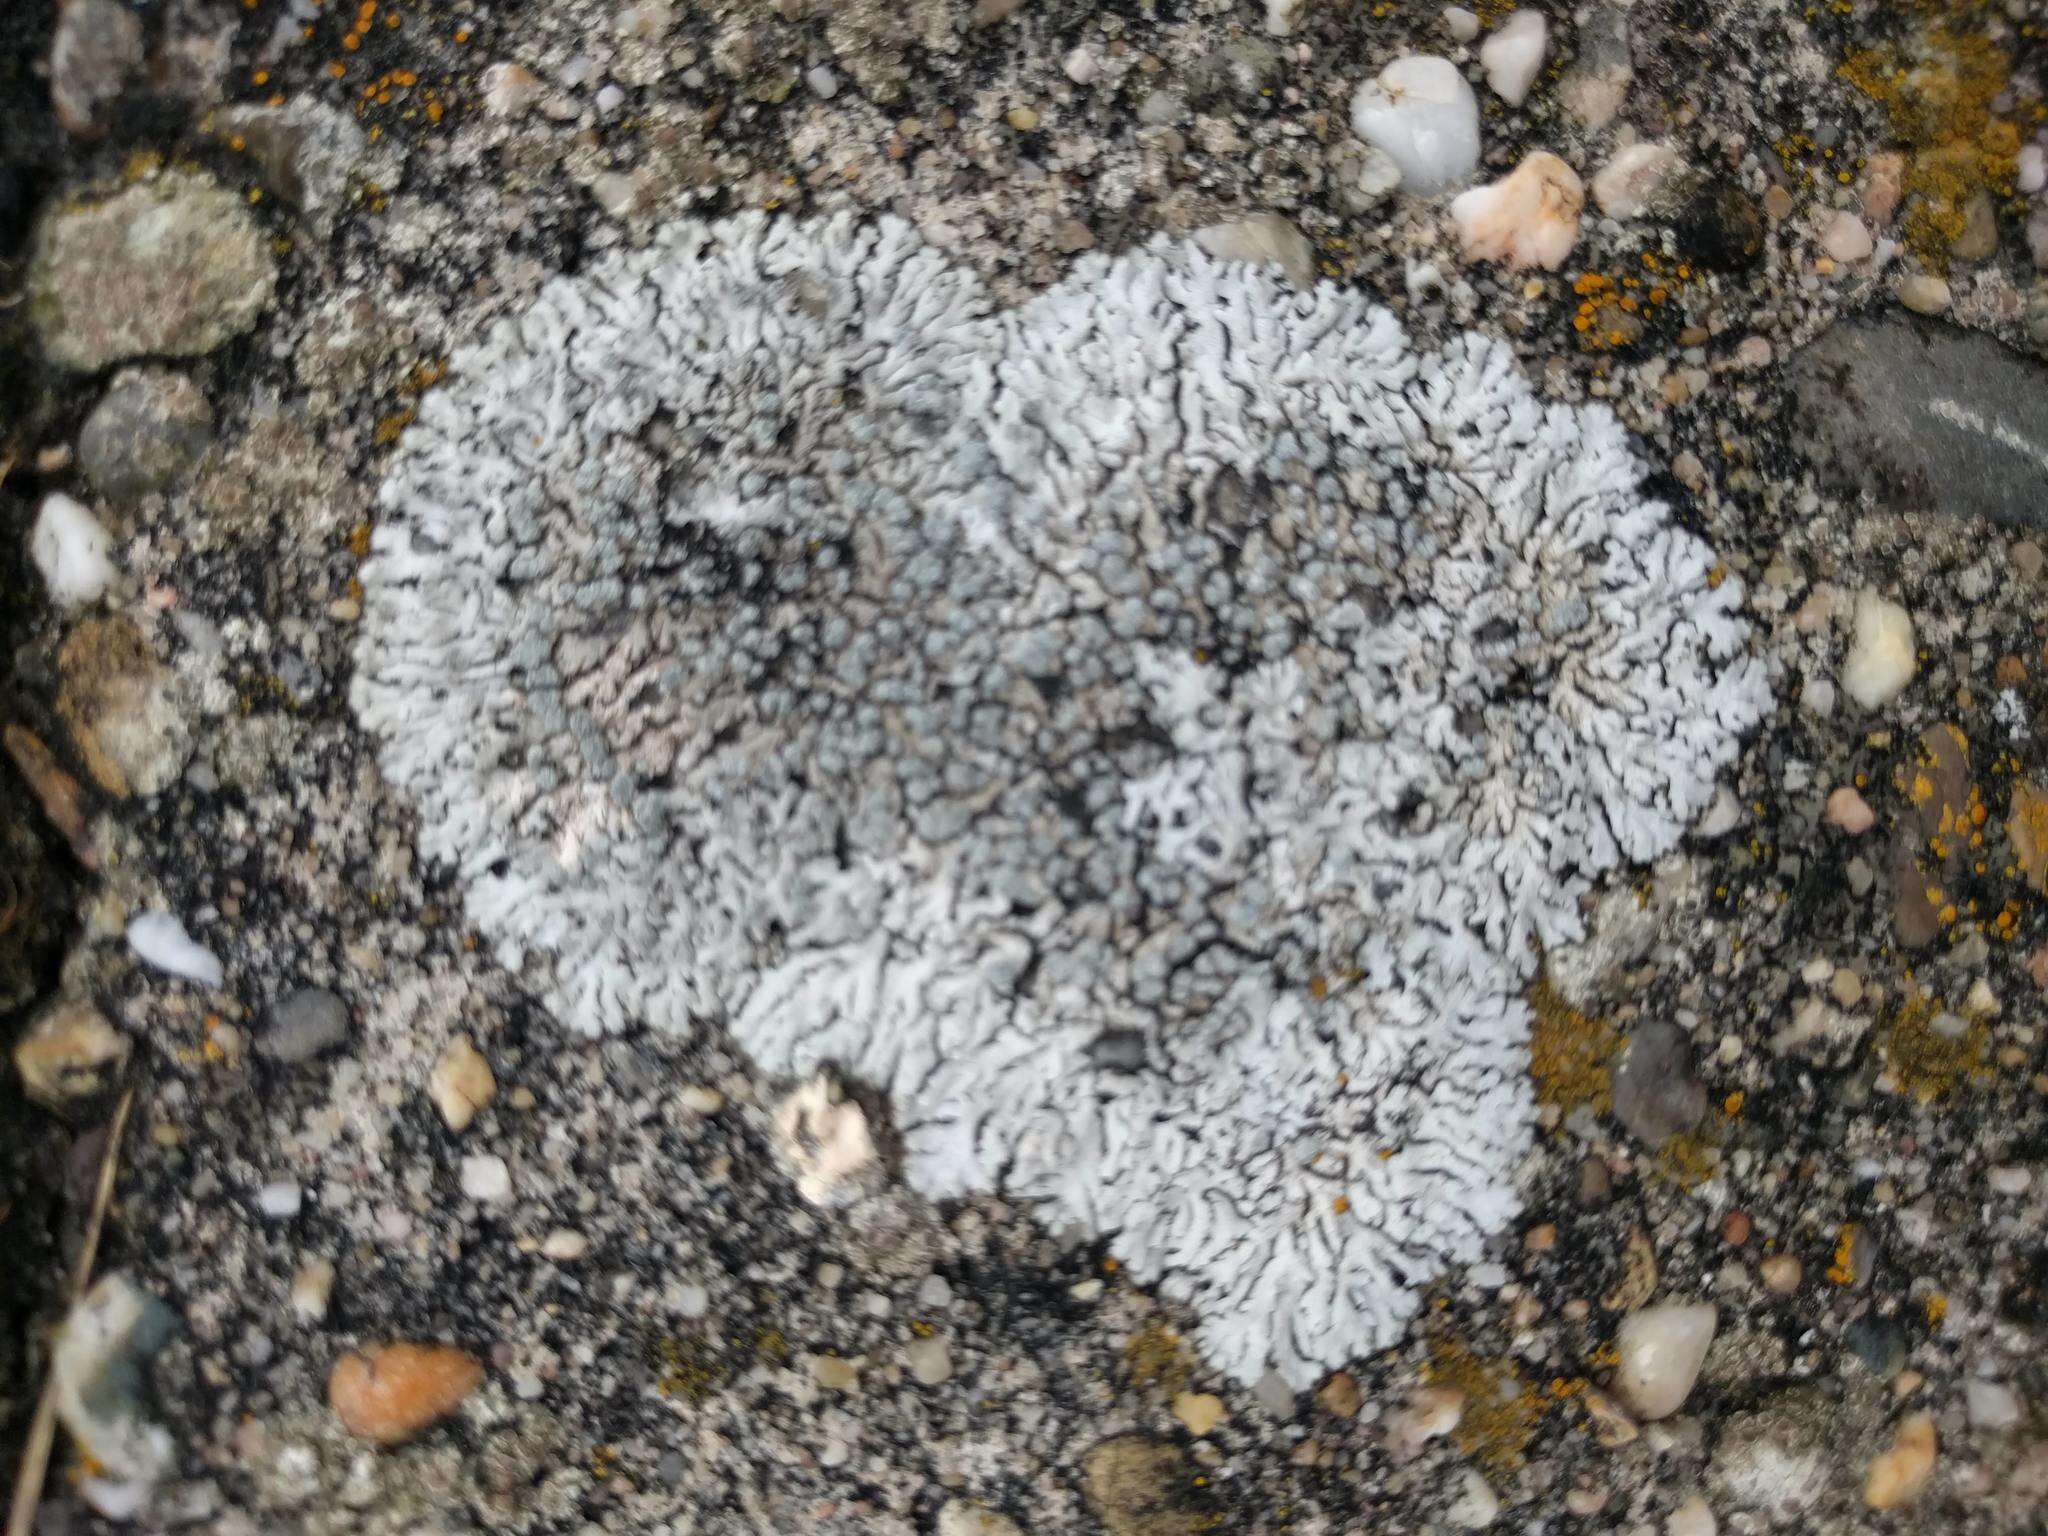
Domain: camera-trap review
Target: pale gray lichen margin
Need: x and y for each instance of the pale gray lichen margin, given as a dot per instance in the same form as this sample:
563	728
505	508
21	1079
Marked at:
1143	730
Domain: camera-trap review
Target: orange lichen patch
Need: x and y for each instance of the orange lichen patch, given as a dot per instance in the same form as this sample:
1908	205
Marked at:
1613	311
392	1392
1842	1271
1939	90
1569	1052
1936	1307
2027	825
1501	1412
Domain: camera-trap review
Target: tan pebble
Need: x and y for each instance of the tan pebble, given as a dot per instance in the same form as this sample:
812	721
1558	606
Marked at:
1586	1501
564	1246
700	1100
1906	1383
1899	1475
1612	1427
1850	811
1200	1411
1023	119
461	1084
1735	1227
69	1052
312	1286
1846	987
835	1374
1781	1273
1541	1239
1430	1414
390	1393
1884	183
1778	204
1340	1396
1924	294
1692	1518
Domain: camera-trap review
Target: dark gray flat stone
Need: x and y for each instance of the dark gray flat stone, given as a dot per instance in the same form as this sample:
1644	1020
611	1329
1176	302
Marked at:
1930	419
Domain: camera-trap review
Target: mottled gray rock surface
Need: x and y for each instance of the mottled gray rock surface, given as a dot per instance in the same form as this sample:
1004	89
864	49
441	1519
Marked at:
172	267
1931	419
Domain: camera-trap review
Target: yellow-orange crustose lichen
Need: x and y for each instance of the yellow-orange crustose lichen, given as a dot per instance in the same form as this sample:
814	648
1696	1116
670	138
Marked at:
1501	1412
1942	90
1569	1052
1930	1054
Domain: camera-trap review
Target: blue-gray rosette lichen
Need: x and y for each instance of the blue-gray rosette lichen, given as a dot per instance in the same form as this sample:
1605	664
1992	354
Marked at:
1143	731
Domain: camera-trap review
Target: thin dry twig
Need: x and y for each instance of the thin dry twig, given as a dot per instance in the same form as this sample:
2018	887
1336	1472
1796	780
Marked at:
42	1434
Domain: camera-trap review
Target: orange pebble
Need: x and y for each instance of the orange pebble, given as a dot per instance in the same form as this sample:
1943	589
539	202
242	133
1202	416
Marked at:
394	1391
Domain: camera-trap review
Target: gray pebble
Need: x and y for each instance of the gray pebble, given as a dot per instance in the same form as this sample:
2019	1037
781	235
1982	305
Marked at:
149	428
306	1023
1655	1093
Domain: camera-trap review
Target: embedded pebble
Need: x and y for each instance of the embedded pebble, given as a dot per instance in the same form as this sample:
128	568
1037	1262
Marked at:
1660	1352
1781	1273
1900	1474
1692	1518
462	1084
1476	1505
72	551
301	1025
1529	218
392	1392
1513	56
1657	1094
161	942
1199	1411
564	1246
1636	179
1340	1396
1924	293
312	1288
1429	1414
1848	810
1263	239
823	1137
280	1200
1881	660
509	90
1846	238
930	1360
172	267
1422	113
1991	1404
835	1374
69	1051
2009	1180
959	1518
485	1177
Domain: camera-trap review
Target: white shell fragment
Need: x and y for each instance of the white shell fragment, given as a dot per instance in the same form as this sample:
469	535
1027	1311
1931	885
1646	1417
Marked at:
72	551
1422	112
1139	733
160	942
1529	218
